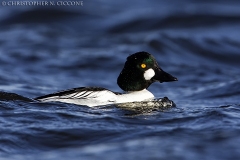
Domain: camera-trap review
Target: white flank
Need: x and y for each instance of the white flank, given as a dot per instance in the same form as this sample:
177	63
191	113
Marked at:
88	98
98	98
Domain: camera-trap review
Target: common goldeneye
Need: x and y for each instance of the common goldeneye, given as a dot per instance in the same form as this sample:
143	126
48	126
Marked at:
139	72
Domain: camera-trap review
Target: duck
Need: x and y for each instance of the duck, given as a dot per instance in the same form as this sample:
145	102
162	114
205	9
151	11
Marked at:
139	72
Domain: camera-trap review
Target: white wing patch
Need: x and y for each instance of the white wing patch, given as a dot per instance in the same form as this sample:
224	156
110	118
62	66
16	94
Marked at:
80	95
89	98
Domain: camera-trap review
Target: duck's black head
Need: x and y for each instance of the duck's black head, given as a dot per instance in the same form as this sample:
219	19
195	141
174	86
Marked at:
140	71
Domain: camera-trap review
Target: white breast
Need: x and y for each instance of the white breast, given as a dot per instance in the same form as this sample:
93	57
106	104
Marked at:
135	96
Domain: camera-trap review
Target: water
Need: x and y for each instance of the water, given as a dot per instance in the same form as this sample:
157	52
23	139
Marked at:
44	49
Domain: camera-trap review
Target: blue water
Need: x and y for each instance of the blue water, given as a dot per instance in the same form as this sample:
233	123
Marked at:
44	49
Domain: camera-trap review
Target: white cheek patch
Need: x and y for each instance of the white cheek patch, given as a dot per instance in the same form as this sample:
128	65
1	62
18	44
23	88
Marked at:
148	74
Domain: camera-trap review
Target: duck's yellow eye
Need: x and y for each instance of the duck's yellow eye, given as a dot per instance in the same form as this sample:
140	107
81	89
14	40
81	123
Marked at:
143	65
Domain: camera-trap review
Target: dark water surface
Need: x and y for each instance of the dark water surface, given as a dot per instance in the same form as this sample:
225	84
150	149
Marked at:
44	49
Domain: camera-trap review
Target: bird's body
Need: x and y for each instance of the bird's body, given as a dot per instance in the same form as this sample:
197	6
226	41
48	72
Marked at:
139	72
